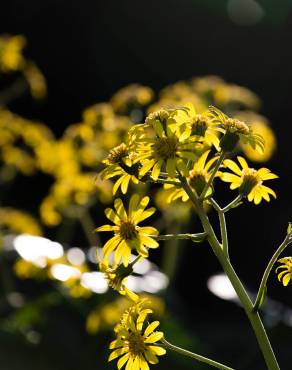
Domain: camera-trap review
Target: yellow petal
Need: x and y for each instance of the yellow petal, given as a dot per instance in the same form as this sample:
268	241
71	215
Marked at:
232	166
143	364
111	215
123	360
154	337
116	353
243	162
150	328
120	209
159	351
156	170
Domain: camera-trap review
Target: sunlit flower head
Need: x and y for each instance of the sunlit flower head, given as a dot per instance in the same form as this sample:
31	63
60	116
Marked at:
136	344
119	163
128	235
168	147
116	276
248	180
235	131
286	274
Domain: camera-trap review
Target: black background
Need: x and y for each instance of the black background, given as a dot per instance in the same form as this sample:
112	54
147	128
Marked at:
88	49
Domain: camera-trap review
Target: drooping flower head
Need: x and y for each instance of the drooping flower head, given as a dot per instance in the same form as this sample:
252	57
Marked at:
116	276
136	343
234	131
164	143
128	235
286	274
248	180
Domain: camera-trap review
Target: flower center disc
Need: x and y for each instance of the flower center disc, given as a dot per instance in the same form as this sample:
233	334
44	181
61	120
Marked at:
127	230
166	147
136	343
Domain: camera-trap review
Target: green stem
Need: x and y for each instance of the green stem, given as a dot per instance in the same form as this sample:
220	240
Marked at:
223	228
244	298
163	181
199	237
268	270
200	358
232	204
211	178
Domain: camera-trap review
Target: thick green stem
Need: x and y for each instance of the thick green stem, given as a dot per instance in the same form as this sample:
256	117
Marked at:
197	357
268	270
211	178
244	298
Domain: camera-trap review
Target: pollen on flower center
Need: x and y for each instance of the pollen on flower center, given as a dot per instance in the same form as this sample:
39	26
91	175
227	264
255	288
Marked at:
117	154
135	342
166	147
200	125
127	230
236	126
160	115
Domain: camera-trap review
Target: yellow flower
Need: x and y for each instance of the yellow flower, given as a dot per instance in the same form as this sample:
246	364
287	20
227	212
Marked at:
120	163
170	146
198	178
286	274
248	180
128	235
136	343
116	276
18	222
235	131
203	127
11	58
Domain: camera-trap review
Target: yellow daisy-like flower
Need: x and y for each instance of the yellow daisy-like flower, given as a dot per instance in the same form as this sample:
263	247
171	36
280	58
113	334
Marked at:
116	276
136	343
128	235
169	147
286	274
234	131
120	164
198	178
203	127
248	180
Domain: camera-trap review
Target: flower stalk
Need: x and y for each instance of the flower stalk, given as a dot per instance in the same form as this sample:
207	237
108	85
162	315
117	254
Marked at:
195	356
273	260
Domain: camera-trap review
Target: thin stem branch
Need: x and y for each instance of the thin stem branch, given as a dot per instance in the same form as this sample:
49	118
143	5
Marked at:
197	357
211	178
232	204
268	270
199	237
163	181
223	228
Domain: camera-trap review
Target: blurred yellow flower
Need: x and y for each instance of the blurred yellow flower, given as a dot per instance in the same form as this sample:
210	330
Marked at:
11	58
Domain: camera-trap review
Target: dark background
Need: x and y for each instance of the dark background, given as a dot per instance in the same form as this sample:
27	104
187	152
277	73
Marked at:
88	49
